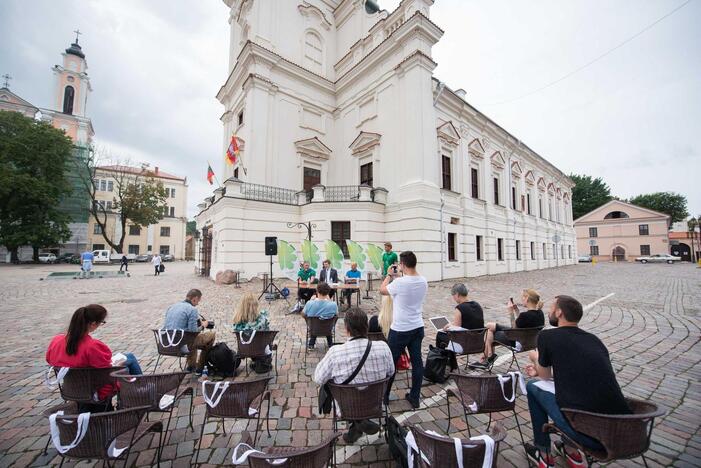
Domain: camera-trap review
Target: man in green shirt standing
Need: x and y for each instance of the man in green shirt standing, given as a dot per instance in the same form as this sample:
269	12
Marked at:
308	275
389	258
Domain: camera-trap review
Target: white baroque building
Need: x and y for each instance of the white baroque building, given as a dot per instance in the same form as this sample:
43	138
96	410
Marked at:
342	124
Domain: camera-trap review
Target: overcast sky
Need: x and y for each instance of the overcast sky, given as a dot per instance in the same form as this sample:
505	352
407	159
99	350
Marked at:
633	117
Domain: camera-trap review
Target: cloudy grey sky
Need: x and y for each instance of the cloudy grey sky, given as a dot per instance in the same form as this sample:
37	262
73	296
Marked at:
633	117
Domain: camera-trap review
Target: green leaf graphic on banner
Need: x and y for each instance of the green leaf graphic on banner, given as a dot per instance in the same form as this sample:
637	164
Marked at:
356	254
285	255
334	254
310	253
375	255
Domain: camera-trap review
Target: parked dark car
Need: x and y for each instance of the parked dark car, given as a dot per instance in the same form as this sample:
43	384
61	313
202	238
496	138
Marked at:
143	258
74	260
64	258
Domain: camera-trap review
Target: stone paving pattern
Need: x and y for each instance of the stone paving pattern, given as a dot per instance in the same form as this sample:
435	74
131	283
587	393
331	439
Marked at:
650	327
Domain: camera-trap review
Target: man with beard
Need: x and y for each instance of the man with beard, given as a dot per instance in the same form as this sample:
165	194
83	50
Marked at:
580	366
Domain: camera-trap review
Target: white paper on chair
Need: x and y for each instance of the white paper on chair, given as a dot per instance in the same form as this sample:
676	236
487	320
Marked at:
252	411
547	385
166	401
118	358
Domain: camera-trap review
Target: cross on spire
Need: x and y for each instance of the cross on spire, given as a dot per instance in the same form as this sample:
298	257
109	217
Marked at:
77	33
6	79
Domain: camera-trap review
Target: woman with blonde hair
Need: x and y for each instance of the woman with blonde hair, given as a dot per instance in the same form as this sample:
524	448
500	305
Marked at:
382	321
247	317
530	318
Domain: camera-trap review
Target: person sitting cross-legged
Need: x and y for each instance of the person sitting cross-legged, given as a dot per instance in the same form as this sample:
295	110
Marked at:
340	362
583	377
530	318
322	307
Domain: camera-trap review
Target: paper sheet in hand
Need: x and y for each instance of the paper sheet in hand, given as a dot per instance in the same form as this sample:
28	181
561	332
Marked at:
118	358
439	322
547	385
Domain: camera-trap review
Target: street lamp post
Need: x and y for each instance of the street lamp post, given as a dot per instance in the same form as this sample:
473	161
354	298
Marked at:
308	225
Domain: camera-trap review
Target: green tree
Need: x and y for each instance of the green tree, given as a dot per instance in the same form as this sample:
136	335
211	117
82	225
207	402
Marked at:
34	157
588	194
191	228
670	203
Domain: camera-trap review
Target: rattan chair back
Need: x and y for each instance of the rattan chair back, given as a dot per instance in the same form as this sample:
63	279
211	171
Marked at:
485	391
147	389
81	384
237	398
321	327
440	451
361	400
188	339
528	337
312	457
471	341
256	348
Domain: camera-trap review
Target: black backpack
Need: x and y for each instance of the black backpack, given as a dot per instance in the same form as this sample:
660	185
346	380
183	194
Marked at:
221	361
395	436
438	362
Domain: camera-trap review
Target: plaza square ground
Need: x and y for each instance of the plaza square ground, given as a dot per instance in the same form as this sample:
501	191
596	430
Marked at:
649	324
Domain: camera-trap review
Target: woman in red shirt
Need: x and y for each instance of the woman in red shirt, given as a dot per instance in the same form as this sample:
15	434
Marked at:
76	348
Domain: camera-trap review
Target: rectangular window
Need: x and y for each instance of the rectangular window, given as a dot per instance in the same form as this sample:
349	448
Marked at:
97	229
523	203
513	198
312	177
134	230
528	203
593	232
452	247
518	250
366	174
644	250
134	249
172	211
569	251
550	210
165	231
643	230
108	206
496	190
593	250
164	249
236	172
500	249
110	185
240	118
474	180
103	186
172	193
149	248
98	246
540	207
447	185
532	250
479	247
562	252
545	251
340	233
554	251
167	192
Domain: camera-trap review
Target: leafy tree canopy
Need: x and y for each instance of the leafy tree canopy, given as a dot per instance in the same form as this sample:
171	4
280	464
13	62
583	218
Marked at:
670	203
588	194
191	228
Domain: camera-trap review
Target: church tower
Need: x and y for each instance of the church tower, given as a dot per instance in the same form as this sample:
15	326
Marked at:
71	95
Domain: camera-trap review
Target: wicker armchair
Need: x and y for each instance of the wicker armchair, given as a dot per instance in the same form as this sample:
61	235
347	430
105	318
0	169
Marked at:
318	327
123	426
149	389
256	348
485	392
622	436
528	337
471	341
312	457
236	402
359	401
182	338
440	451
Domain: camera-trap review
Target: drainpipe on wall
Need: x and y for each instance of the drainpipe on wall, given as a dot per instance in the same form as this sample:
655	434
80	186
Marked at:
442	236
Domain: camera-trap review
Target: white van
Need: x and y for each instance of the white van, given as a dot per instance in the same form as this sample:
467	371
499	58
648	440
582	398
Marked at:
101	256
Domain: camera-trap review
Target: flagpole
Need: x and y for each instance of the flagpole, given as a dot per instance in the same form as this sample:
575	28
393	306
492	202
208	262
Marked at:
215	175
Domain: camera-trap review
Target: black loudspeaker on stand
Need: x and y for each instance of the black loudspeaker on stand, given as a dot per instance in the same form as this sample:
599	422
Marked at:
270	287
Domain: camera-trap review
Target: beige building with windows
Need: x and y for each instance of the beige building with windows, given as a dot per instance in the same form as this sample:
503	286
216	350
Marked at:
166	237
621	231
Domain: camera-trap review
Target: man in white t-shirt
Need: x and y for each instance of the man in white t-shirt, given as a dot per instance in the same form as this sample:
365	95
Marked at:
407	330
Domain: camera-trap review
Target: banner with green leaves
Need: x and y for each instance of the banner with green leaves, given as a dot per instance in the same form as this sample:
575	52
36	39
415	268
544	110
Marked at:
290	257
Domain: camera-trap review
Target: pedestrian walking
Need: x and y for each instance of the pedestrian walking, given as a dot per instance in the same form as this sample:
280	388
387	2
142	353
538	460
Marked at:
124	264
156	262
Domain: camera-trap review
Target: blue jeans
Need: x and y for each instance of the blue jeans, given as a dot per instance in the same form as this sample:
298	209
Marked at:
542	404
132	364
410	340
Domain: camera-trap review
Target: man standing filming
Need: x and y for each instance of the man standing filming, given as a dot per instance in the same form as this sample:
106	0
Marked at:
389	258
407	330
583	380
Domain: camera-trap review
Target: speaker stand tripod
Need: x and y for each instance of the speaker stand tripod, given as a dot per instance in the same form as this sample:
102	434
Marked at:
271	287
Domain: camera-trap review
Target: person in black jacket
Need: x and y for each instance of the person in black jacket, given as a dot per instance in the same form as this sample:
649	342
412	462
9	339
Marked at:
328	275
532	317
124	263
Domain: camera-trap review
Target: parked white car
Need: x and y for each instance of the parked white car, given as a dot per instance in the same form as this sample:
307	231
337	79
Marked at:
47	258
584	259
101	256
658	258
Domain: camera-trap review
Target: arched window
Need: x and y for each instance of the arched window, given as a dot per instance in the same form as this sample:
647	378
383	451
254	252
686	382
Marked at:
313	52
68	95
616	215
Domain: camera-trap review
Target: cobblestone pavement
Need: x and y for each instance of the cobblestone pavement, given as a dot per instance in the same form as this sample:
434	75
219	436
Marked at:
650	326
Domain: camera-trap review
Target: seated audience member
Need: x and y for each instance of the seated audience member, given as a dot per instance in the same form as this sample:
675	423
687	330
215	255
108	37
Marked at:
583	379
322	307
308	275
184	316
328	275
468	315
532	317
340	362
382	321
247	318
352	277
76	348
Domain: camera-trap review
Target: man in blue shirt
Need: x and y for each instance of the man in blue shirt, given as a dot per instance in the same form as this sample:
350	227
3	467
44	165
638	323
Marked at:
322	307
184	316
86	259
352	277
